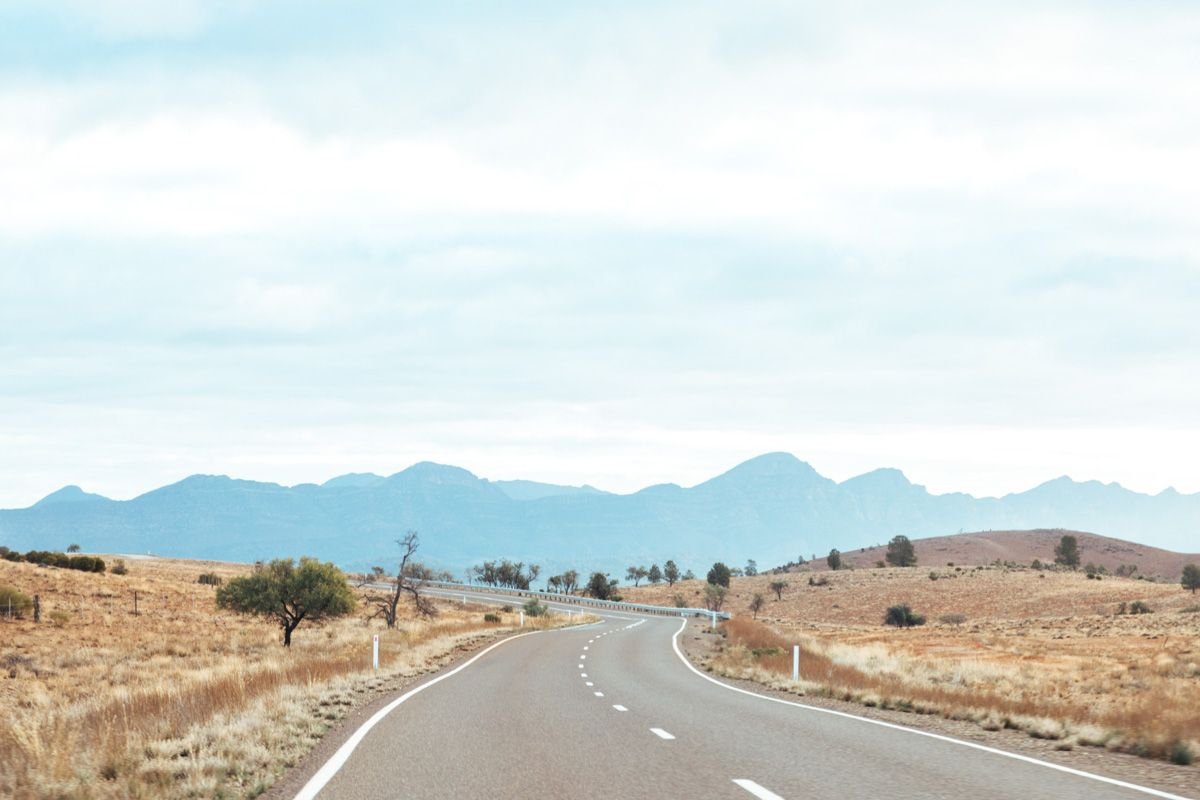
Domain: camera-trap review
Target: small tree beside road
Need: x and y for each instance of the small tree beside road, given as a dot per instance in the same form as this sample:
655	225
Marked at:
410	577
670	573
777	587
714	596
756	604
655	575
290	593
834	559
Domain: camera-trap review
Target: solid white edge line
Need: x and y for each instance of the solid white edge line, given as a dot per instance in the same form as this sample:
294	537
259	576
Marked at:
330	768
984	748
756	790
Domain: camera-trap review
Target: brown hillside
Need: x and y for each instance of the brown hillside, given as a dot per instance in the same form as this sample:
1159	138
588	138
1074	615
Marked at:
1022	547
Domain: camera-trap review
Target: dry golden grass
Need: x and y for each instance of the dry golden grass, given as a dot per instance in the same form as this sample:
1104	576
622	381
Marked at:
1041	652
184	700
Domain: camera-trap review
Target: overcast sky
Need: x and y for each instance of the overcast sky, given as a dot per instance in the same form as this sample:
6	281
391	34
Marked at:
615	244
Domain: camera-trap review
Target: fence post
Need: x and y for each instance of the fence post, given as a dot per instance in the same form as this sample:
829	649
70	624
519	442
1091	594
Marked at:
796	662
37	608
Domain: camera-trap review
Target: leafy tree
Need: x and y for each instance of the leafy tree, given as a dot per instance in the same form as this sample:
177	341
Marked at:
756	604
777	587
1191	577
410	577
570	581
600	587
834	559
636	574
751	568
290	593
1066	552
900	552
73	548
670	573
505	573
655	575
688	576
714	596
719	575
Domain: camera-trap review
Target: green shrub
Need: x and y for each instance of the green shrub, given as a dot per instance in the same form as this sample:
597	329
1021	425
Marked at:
505	609
10	555
1139	607
119	568
208	579
490	617
902	616
533	608
1180	753
679	601
19	602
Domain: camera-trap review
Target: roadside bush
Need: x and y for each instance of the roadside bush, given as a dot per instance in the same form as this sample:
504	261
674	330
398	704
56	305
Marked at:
119	568
10	555
1139	607
1180	754
680	601
490	617
952	619
208	579
505	609
533	608
820	580
933	576
902	616
59	618
19	602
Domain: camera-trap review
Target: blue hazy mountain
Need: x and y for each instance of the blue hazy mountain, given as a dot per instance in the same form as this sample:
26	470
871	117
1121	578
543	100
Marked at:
772	508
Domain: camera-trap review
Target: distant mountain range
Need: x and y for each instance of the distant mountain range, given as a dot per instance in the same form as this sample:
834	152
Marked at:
772	508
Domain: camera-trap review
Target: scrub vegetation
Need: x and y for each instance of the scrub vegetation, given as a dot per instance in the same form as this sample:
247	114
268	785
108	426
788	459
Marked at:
186	699
1054	654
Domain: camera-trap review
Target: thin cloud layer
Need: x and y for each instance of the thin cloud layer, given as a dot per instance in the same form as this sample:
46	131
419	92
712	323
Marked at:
614	246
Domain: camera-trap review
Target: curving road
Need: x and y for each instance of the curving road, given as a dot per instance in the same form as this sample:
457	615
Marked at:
614	710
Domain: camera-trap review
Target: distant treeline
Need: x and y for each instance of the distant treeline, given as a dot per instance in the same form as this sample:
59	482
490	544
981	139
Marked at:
60	560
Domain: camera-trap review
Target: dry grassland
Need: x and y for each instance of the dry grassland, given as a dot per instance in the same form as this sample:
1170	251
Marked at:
184	700
1042	652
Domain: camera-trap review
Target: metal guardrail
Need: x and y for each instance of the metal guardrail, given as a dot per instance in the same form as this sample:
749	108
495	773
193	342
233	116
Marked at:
578	600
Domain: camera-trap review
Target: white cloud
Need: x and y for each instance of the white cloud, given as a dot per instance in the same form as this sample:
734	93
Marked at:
602	247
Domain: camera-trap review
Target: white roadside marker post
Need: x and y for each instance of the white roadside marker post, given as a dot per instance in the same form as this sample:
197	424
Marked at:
375	652
522	619
795	662
714	620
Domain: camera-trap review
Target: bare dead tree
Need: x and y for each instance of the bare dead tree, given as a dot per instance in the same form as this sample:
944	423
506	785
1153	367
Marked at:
410	579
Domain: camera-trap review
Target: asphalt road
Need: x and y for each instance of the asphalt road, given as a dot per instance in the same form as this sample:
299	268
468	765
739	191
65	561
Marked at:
612	710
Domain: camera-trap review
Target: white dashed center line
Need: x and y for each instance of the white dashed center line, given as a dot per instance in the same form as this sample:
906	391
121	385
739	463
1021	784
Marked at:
598	694
589	683
756	790
660	733
620	708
